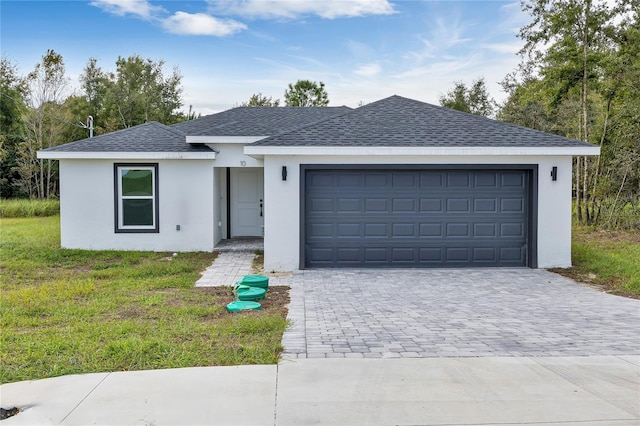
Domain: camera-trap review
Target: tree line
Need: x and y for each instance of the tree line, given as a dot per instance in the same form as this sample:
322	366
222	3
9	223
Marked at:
36	114
578	77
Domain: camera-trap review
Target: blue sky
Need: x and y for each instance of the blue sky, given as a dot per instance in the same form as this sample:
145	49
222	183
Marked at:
363	50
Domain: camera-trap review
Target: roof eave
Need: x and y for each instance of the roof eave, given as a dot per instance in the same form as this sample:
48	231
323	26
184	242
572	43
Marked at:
224	139
257	151
68	155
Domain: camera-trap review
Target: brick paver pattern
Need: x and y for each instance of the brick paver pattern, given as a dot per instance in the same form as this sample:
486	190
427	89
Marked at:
421	313
233	262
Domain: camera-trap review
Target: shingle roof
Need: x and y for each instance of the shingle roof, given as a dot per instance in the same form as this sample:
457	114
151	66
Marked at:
256	121
390	122
147	137
402	122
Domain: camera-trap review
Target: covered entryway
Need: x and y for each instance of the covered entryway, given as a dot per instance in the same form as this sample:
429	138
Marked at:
417	217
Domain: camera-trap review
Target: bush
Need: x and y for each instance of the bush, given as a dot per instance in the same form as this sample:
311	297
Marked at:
29	208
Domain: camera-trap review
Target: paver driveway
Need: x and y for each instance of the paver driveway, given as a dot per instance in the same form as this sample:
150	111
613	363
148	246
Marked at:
452	313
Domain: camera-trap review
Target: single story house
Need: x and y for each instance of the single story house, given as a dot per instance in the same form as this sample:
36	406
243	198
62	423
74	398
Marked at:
395	183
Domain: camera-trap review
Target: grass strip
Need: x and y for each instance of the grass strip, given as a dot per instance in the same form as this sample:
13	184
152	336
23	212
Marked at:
76	311
29	208
608	260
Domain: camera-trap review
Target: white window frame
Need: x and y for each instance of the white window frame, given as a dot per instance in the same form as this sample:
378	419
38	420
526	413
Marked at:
120	227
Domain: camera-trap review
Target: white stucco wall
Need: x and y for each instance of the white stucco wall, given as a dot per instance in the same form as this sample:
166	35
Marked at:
186	191
282	202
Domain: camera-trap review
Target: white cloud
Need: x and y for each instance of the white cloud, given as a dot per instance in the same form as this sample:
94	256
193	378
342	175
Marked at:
368	70
140	8
328	9
201	24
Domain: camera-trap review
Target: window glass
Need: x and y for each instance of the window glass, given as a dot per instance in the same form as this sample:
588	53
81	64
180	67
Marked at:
137	182
136	208
137	212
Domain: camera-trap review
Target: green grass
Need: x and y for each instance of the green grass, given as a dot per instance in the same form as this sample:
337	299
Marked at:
29	208
607	259
76	311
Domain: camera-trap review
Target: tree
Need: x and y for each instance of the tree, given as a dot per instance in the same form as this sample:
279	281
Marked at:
260	100
567	40
138	92
578	78
95	84
13	90
306	93
525	104
475	99
43	126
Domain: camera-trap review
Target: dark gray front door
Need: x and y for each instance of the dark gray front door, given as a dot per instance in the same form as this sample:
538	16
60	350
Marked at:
415	218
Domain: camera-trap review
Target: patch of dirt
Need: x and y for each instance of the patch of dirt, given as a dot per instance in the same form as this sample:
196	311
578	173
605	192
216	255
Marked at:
130	313
276	301
608	236
590	279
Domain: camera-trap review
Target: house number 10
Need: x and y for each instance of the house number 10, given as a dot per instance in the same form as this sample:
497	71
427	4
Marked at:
243	163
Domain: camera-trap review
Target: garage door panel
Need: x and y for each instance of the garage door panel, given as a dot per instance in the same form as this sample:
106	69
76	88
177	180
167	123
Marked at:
512	205
416	218
485	254
513	179
349	230
512	254
320	205
349	205
485	205
431	255
488	230
432	179
376	180
321	231
457	255
404	205
403	255
458	179
376	205
431	230
430	205
458	205
403	180
376	254
457	230
485	180
512	230
376	230
403	230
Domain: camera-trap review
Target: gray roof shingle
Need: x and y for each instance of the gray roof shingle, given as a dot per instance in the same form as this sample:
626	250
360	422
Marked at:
400	122
147	137
390	122
257	121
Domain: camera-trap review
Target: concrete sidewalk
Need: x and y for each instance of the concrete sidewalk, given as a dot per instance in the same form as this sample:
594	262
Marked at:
602	390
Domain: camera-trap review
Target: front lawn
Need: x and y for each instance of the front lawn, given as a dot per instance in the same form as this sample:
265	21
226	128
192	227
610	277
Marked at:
607	260
76	311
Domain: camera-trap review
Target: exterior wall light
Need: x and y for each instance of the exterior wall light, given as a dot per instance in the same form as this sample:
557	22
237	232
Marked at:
284	172
554	173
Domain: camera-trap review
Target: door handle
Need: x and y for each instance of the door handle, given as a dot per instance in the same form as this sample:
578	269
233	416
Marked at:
261	207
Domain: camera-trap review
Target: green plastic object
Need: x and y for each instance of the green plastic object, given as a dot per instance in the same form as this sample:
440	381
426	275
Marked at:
255	281
243	306
251	293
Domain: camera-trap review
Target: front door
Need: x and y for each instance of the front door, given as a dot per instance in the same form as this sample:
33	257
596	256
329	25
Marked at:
247	196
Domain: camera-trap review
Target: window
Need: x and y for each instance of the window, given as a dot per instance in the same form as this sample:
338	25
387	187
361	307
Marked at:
136	197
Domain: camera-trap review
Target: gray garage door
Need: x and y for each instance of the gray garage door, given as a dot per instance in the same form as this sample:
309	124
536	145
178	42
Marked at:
415	218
